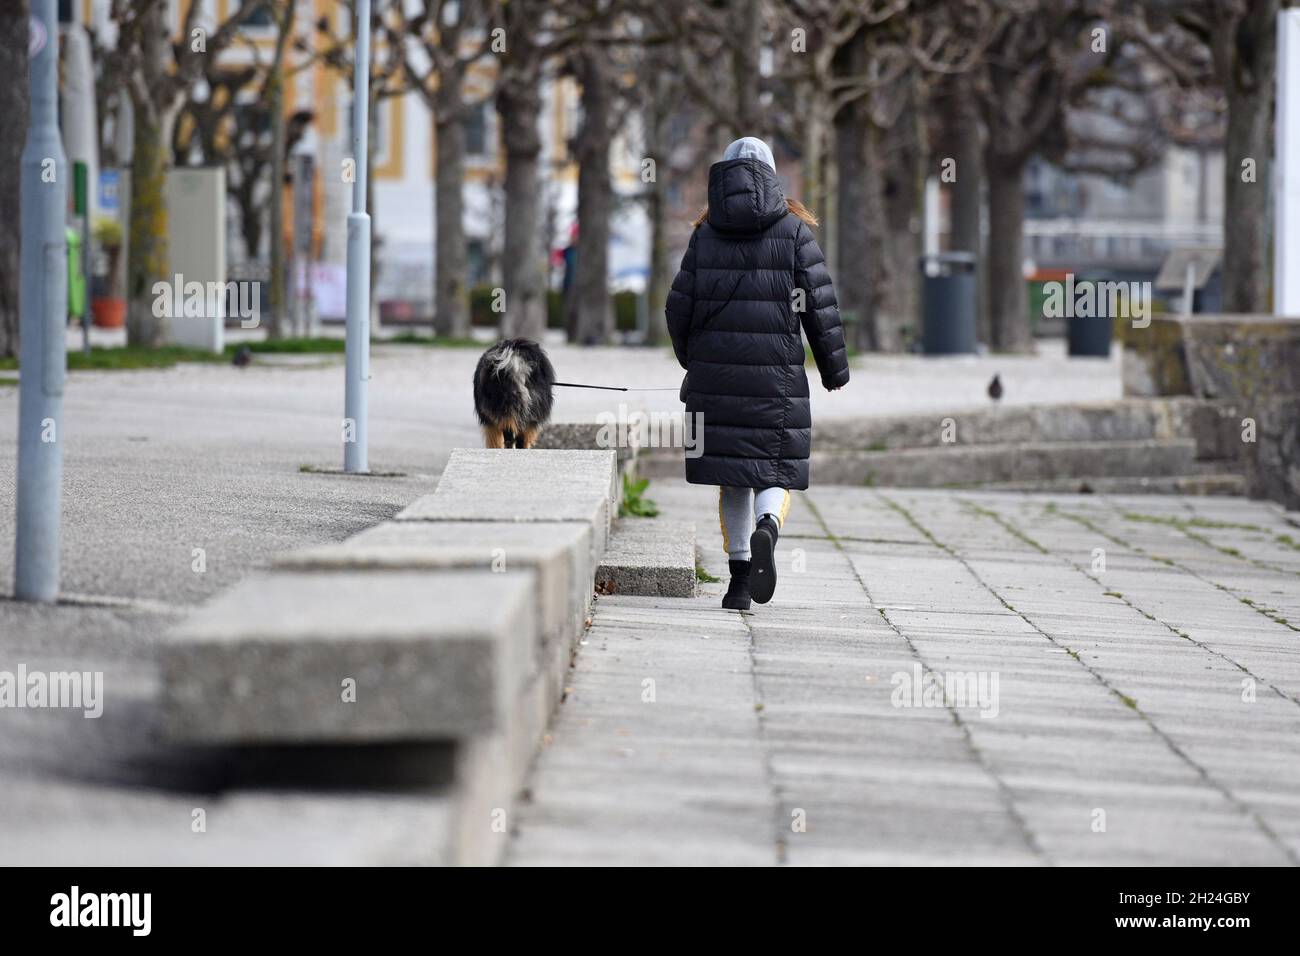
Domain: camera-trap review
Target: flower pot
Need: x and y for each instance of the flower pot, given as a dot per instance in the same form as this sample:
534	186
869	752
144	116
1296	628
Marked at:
109	313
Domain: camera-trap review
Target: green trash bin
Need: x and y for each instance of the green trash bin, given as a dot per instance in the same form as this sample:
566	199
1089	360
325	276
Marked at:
76	278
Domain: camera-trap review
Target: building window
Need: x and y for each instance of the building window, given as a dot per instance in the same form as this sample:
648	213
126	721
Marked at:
262	18
476	126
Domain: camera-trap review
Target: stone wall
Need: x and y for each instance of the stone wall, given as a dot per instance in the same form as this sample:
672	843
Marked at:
1246	371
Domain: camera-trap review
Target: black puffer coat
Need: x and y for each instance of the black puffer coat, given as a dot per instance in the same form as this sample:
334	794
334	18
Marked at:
734	318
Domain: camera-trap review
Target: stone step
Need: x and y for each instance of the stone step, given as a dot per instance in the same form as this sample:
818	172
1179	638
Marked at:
1215	427
1198	484
516	485
439	658
649	556
1131	420
956	466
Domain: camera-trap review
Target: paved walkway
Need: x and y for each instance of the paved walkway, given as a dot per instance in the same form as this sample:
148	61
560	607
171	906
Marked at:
1146	653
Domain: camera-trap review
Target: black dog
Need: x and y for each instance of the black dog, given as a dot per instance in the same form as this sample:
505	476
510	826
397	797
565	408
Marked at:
513	393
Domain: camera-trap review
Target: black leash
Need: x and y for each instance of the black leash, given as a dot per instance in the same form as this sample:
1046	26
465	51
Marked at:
616	388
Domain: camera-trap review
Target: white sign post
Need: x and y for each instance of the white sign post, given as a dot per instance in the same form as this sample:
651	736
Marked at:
1286	168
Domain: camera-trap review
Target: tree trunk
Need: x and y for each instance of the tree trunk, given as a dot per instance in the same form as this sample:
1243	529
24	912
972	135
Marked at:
855	209
519	107
451	266
900	171
278	299
147	250
965	192
1246	215
13	134
659	279
250	217
595	203
1008	298
745	52
812	166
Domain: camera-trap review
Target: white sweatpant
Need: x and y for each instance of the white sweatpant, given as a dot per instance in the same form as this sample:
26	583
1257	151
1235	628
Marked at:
739	510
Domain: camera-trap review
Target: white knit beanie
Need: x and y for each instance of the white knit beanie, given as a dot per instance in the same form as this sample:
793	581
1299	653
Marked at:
750	147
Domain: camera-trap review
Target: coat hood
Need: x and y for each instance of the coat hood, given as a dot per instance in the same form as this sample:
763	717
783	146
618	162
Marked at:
744	196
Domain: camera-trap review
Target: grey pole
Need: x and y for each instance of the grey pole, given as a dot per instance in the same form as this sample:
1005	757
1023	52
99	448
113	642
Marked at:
357	340
43	320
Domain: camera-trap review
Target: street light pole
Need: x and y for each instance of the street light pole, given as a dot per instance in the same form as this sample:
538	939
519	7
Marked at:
43	319
357	342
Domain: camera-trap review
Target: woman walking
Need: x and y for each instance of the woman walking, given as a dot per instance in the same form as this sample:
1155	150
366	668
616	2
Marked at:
753	275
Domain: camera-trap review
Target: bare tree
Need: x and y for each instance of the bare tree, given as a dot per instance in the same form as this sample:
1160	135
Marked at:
519	107
1229	47
159	75
1023	87
387	79
440	40
13	134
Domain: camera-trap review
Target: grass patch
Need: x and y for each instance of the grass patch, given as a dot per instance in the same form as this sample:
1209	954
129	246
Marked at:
6	381
127	357
704	577
290	346
1129	702
634	503
1184	523
439	341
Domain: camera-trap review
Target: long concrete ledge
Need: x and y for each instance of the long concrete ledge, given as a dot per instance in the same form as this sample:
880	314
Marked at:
271	659
455	622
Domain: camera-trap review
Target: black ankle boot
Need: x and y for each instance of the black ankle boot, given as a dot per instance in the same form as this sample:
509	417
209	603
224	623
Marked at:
737	596
762	554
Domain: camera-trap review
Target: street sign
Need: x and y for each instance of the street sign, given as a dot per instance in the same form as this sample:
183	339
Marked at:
110	184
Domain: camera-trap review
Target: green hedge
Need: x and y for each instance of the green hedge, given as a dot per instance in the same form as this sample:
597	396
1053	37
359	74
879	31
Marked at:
481	314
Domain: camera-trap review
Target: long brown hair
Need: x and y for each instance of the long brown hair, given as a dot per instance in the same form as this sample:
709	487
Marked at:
794	205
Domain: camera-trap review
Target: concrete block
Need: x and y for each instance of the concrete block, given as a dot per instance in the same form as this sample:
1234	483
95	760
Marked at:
621	436
649	556
483	484
559	552
432	657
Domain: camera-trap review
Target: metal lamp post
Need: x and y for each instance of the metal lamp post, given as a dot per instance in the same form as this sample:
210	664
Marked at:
357	342
43	321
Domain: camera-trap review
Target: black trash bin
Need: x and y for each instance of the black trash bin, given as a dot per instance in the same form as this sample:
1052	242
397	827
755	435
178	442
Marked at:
1089	337
948	303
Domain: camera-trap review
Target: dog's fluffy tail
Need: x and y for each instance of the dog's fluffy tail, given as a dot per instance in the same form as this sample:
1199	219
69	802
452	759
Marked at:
513	391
